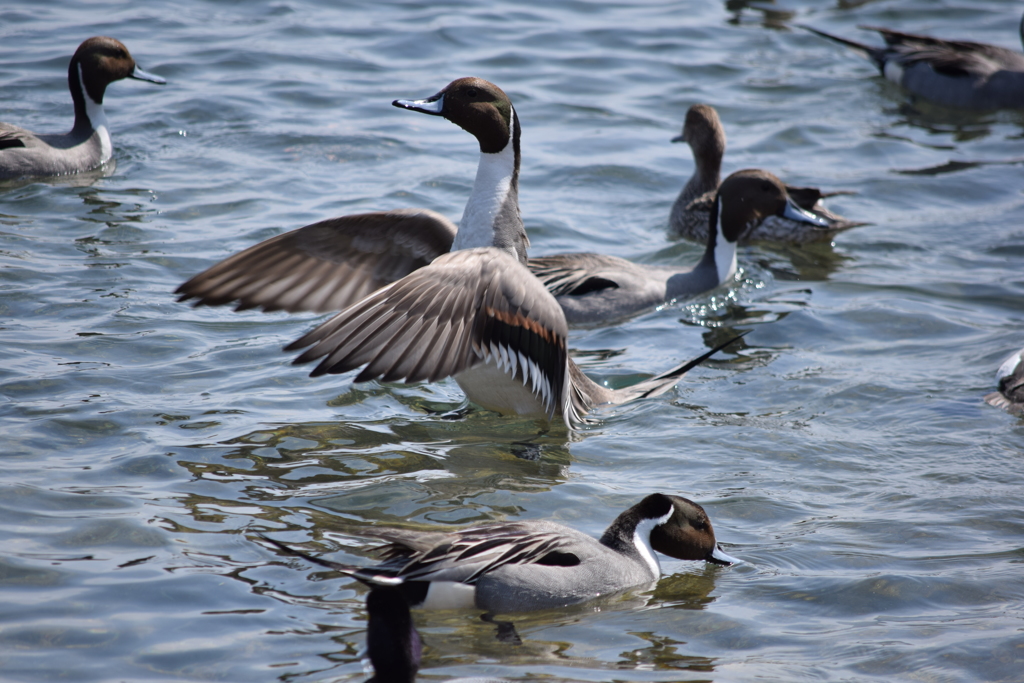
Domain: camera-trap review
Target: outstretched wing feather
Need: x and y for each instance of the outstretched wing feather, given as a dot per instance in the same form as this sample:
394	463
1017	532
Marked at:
325	266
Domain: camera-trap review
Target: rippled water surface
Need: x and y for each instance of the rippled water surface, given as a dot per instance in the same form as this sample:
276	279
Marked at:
842	449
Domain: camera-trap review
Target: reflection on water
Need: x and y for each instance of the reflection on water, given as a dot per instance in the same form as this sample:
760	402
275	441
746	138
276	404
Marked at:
83	179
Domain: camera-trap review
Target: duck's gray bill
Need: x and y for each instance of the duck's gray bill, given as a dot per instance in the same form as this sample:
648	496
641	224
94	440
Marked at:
140	75
431	105
795	213
718	556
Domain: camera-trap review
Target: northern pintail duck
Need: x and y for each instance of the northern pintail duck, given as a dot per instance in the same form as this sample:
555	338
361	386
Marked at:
393	645
97	63
689	218
592	288
1010	380
953	73
474	313
520	566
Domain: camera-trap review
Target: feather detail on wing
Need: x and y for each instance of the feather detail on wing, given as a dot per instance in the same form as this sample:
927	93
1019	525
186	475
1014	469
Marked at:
468	307
466	555
326	266
576	274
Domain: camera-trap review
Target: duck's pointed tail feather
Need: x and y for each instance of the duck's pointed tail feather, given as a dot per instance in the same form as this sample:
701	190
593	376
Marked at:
367	575
659	384
875	54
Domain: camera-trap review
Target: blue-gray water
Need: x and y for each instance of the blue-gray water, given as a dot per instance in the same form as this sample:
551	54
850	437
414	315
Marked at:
842	450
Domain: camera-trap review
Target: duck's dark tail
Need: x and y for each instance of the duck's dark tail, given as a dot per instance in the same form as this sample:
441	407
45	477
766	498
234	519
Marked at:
368	575
875	54
659	384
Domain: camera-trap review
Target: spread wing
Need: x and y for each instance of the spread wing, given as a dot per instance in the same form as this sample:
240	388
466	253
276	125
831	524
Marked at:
468	307
326	266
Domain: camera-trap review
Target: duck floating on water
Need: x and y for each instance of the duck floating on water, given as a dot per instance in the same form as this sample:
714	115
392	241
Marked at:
595	289
689	218
522	566
953	73
97	63
468	307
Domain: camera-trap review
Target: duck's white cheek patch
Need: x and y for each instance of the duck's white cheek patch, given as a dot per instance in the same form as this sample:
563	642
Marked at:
449	595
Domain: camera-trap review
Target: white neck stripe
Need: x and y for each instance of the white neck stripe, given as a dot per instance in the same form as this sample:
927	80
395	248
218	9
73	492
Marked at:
642	541
490	191
725	251
97	119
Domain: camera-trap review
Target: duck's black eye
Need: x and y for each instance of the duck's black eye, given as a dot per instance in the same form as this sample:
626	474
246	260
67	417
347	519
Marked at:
766	186
472	92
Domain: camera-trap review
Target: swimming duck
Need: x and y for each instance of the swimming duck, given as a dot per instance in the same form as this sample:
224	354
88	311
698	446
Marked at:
953	73
520	566
97	63
689	218
1010	379
474	313
592	288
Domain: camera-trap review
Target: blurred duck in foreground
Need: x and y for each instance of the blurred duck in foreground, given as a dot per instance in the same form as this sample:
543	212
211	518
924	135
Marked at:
421	300
1010	380
520	566
953	73
97	63
691	213
393	644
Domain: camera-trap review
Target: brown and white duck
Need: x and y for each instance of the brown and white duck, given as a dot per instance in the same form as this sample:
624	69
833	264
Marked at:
97	63
703	132
421	300
595	289
531	565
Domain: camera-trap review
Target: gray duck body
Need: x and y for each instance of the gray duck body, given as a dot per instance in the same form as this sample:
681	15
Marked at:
952	73
98	62
593	289
521	566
